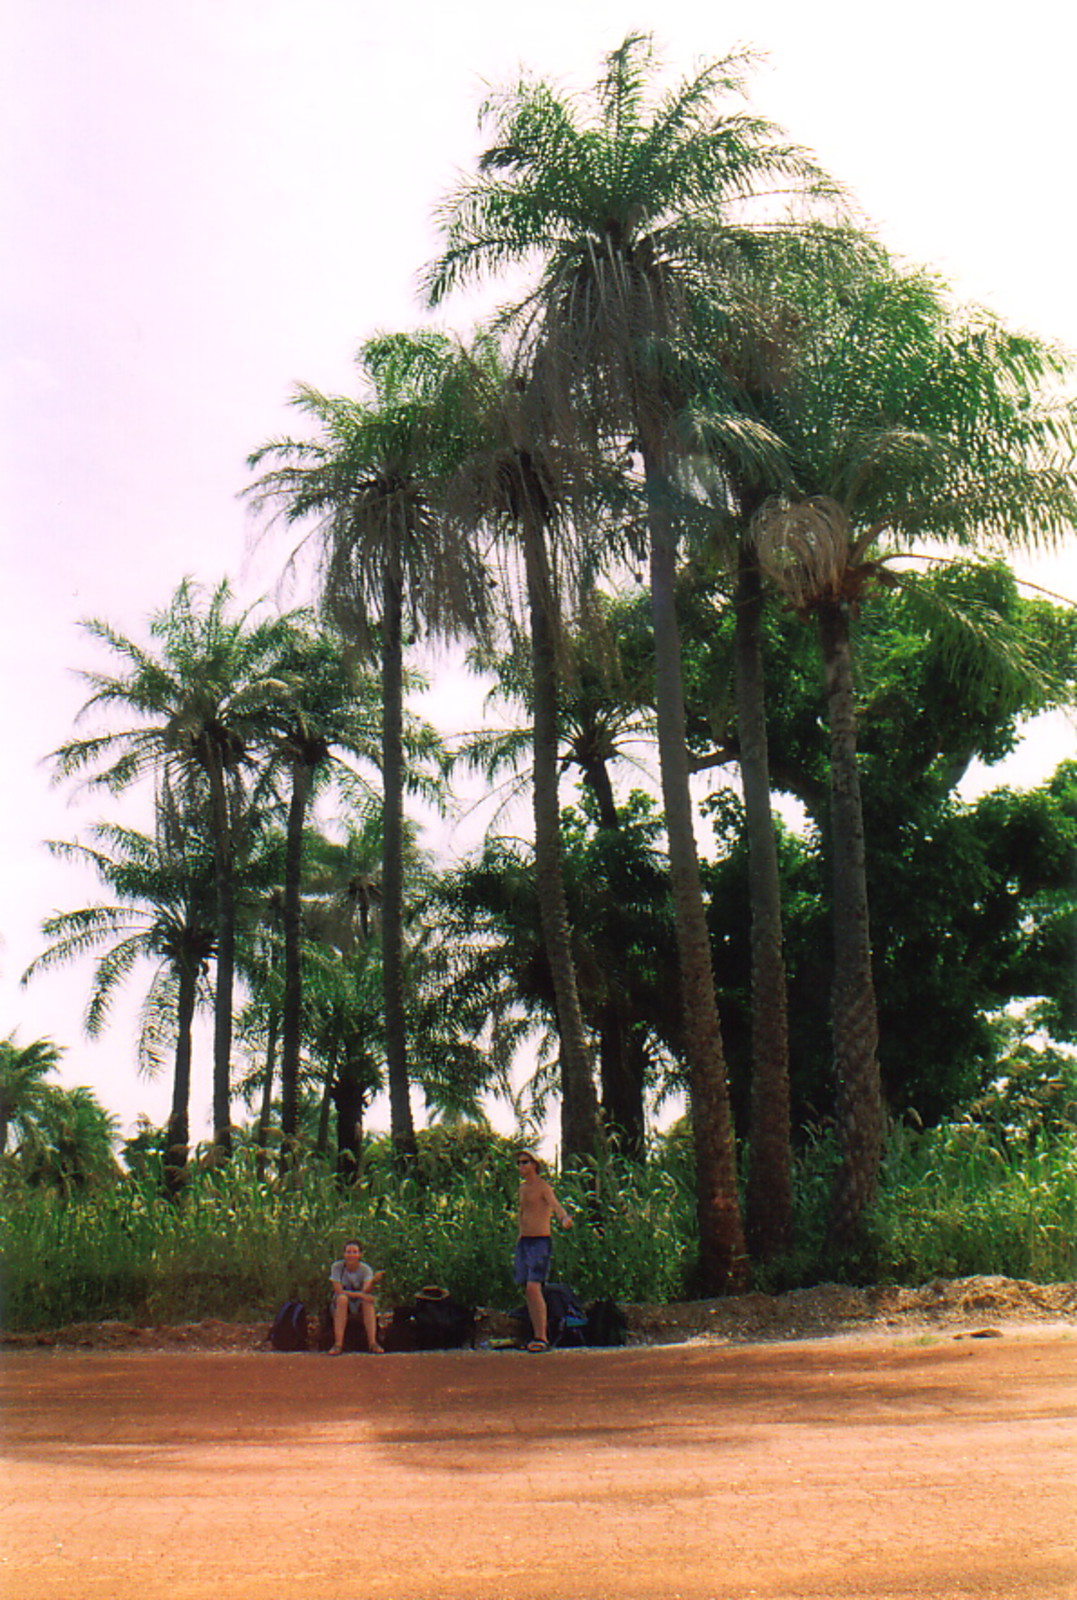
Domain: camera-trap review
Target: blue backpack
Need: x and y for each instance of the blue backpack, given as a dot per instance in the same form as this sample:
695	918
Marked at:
289	1330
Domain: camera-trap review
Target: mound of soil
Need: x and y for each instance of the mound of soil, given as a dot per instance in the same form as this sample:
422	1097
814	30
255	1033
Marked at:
963	1306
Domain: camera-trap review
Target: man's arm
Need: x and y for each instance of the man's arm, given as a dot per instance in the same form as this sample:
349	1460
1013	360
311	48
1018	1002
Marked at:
558	1209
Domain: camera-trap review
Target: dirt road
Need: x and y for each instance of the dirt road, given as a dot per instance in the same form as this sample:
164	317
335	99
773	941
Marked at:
905	1467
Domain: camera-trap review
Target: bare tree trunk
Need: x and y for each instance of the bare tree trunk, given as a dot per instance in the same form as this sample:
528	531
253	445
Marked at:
723	1261
177	1138
325	1111
265	1110
580	1127
770	1194
621	1056
401	1125
622	1081
224	863
348	1099
854	1014
292	1008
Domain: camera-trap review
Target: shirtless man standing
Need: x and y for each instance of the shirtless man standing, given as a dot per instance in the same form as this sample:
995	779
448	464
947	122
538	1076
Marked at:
538	1205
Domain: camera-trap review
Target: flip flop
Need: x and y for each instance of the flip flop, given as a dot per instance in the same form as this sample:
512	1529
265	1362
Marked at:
538	1347
336	1351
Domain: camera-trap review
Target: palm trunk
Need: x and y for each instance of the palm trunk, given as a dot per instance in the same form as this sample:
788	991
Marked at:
348	1099
855	1020
292	1008
622	1065
177	1139
622	1080
325	1114
723	1263
770	1195
580	1128
597	778
402	1128
223	857
265	1110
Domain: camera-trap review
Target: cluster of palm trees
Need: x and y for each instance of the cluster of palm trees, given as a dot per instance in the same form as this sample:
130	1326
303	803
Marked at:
48	1134
235	719
707	360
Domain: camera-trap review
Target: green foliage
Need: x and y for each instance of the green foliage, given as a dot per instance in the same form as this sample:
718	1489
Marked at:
62	1137
954	1201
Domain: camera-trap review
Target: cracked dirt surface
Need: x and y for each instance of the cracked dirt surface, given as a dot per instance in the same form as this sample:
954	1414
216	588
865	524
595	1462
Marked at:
892	1463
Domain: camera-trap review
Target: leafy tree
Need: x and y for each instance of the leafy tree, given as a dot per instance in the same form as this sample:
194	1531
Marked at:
902	421
617	887
64	1136
25	1096
71	1147
200	702
166	916
603	710
631	211
519	485
327	705
971	904
368	478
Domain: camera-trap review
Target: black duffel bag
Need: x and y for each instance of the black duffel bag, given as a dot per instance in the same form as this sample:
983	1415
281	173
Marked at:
433	1321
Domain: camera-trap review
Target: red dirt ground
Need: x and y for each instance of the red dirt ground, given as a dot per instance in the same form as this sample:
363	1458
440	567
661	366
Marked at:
874	1465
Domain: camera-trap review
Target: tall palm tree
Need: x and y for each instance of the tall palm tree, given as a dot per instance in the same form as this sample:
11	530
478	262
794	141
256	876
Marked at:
327	706
369	479
769	1200
166	916
519	484
603	711
200	701
632	212
905	420
743	356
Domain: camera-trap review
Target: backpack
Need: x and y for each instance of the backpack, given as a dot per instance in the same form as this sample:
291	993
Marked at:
565	1318
606	1324
289	1330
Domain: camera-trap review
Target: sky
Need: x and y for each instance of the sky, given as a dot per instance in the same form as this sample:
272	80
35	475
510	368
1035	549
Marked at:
205	202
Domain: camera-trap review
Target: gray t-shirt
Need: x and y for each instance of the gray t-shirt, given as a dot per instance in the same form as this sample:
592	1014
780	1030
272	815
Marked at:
358	1279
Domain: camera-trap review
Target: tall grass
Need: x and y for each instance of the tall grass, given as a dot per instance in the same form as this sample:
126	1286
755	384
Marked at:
957	1201
953	1202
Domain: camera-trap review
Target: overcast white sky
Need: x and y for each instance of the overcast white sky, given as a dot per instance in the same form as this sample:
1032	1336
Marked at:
206	201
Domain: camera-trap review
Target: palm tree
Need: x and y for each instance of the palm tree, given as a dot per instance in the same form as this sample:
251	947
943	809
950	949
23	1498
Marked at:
369	479
166	916
24	1095
603	710
769	1199
65	1136
904	420
741	360
632	212
516	482
326	705
201	704
70	1148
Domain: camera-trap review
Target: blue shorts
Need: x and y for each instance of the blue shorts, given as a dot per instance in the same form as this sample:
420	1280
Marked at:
531	1263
